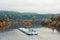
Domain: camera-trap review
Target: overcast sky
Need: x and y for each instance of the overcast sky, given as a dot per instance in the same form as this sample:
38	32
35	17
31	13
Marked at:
38	6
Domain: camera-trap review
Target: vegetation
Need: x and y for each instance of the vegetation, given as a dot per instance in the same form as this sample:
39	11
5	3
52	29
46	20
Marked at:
13	20
53	22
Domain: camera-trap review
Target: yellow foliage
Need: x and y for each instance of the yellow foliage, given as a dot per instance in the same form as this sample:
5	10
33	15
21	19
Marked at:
27	23
46	20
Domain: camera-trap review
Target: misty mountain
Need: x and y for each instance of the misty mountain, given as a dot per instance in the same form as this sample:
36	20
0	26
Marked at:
17	15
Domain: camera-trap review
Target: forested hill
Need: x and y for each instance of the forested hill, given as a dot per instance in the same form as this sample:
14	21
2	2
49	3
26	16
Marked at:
20	17
27	15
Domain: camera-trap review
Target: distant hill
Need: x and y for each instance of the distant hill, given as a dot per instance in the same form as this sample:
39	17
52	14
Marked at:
17	15
22	16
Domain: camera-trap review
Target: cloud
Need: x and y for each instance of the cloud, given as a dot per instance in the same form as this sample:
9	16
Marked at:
38	6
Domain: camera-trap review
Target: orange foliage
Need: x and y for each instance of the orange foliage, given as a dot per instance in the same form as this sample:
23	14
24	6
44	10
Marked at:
4	25
27	23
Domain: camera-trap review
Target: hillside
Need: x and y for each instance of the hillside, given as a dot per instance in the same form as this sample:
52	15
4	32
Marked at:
19	17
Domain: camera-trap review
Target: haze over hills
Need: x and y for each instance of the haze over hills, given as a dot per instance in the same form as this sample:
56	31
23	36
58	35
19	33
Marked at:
17	15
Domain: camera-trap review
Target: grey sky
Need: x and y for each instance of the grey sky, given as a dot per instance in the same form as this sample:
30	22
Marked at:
38	6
